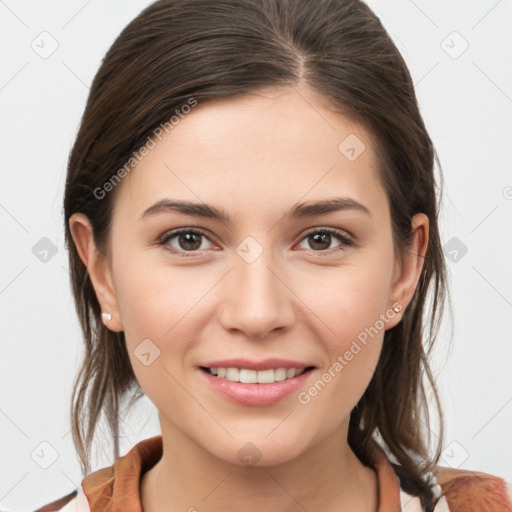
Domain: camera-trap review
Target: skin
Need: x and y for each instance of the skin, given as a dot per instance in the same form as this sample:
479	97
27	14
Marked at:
255	157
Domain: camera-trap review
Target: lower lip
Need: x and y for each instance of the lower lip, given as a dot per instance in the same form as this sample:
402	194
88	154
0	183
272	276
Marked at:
255	394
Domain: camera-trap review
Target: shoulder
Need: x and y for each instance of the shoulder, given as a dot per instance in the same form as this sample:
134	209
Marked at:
474	491
75	501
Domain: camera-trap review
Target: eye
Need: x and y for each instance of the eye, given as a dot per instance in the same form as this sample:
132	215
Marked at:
320	240
187	241
191	241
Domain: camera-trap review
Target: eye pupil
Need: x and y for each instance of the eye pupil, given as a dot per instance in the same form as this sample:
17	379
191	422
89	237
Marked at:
320	238
187	238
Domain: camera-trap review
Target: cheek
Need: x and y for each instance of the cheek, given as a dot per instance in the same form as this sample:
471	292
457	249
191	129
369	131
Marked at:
153	295
350	313
161	308
154	313
348	300
337	389
351	334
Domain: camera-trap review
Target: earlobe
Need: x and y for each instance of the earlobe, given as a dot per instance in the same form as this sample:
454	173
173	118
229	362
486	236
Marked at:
409	266
98	269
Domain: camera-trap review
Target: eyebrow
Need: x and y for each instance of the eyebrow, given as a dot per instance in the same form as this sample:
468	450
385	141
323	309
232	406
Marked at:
299	211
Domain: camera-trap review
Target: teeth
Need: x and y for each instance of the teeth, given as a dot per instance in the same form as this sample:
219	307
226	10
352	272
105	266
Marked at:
248	376
280	374
264	376
252	376
233	374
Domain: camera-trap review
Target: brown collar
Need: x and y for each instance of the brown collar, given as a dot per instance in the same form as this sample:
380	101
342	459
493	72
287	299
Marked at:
117	488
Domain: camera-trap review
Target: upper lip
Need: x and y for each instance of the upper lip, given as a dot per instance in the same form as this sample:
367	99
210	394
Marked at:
266	364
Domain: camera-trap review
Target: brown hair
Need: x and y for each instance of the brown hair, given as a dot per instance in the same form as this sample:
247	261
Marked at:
178	49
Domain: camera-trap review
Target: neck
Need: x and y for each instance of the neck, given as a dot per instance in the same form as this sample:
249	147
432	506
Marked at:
326	477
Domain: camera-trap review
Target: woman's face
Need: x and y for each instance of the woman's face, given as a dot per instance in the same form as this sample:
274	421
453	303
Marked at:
262	283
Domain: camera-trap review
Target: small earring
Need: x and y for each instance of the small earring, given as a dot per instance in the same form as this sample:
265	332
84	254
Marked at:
397	309
106	317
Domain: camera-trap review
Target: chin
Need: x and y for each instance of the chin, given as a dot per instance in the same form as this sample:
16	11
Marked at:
260	452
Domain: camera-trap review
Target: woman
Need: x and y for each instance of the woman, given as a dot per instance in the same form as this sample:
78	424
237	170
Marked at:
251	218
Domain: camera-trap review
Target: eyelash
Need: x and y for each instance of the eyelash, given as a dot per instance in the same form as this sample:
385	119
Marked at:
339	235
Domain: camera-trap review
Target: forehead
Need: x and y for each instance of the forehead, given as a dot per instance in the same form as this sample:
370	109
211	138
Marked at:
262	150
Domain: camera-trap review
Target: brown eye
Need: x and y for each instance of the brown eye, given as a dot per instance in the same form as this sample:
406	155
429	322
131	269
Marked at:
321	239
184	241
189	241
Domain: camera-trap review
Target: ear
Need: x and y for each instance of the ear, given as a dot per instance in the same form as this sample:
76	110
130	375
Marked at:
408	268
98	267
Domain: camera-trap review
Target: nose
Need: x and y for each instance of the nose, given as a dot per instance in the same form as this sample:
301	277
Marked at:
256	299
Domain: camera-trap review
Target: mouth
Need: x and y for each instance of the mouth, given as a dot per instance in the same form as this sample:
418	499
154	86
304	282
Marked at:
247	376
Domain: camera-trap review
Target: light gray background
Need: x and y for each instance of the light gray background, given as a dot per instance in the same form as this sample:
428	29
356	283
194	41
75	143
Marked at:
466	101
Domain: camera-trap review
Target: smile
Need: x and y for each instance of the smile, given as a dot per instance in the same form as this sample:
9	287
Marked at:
246	376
